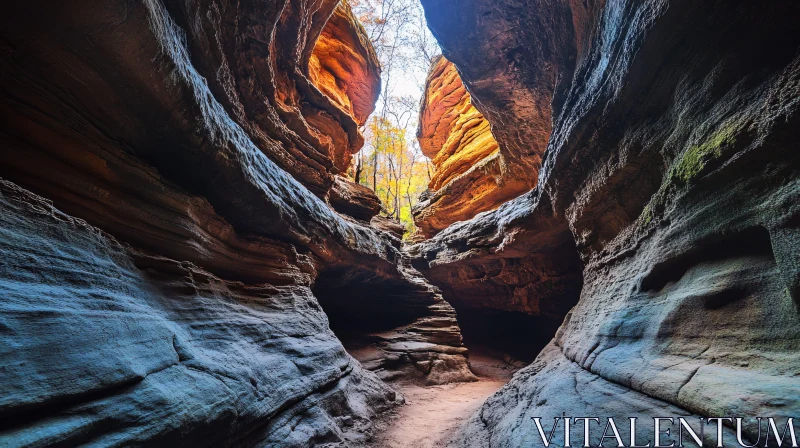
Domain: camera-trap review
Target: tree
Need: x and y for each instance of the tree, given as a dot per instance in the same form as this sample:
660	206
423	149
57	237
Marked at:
395	167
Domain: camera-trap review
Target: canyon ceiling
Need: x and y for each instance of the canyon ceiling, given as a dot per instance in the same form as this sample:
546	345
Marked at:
615	193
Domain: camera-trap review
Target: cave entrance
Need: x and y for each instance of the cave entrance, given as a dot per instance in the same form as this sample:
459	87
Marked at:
509	306
397	326
358	306
514	337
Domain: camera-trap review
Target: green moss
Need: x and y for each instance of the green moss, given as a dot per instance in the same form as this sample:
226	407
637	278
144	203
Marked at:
687	167
655	208
647	214
697	157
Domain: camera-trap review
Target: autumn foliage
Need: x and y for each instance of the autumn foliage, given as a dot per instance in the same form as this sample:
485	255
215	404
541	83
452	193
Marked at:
391	163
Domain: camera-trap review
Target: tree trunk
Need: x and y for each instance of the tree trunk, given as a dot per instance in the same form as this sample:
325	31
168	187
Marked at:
375	171
357	174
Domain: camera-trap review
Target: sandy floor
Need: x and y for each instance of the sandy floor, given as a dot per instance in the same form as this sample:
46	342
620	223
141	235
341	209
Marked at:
432	414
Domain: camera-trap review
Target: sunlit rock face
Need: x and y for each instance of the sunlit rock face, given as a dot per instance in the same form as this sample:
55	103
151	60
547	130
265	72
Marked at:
670	169
450	125
344	67
301	101
469	175
513	84
162	233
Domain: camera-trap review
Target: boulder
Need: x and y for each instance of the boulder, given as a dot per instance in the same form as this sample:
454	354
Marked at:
389	225
354	200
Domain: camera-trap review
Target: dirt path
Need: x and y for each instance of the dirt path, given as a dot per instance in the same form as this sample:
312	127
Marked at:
432	414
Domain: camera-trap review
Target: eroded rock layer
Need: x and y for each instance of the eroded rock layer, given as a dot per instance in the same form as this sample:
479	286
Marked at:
514	84
669	172
354	200
516	266
469	175
160	248
106	343
345	68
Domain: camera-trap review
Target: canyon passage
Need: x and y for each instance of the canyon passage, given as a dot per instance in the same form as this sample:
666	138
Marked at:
229	223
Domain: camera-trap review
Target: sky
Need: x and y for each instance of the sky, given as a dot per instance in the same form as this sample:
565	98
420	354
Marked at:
404	28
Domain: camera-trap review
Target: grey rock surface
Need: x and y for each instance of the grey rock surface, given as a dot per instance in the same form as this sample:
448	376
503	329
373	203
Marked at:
163	230
107	345
670	162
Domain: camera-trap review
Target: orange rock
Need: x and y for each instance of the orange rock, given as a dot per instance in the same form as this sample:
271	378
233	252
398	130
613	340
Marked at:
344	65
345	68
470	171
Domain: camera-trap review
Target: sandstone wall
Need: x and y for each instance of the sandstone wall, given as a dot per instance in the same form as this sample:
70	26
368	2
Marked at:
107	344
345	68
514	84
669	172
164	230
469	175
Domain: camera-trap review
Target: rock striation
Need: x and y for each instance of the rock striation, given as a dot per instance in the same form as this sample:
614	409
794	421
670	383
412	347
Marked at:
517	87
345	68
354	200
166	168
668	177
469	175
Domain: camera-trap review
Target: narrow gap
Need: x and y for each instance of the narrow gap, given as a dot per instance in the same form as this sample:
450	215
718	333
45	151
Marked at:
515	337
357	306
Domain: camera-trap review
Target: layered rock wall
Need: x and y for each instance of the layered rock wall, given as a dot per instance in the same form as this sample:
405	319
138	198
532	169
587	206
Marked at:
469	176
164	226
108	344
297	83
345	68
517	86
516	265
669	173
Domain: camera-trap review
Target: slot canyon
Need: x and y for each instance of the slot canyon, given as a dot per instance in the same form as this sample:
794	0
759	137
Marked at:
610	226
